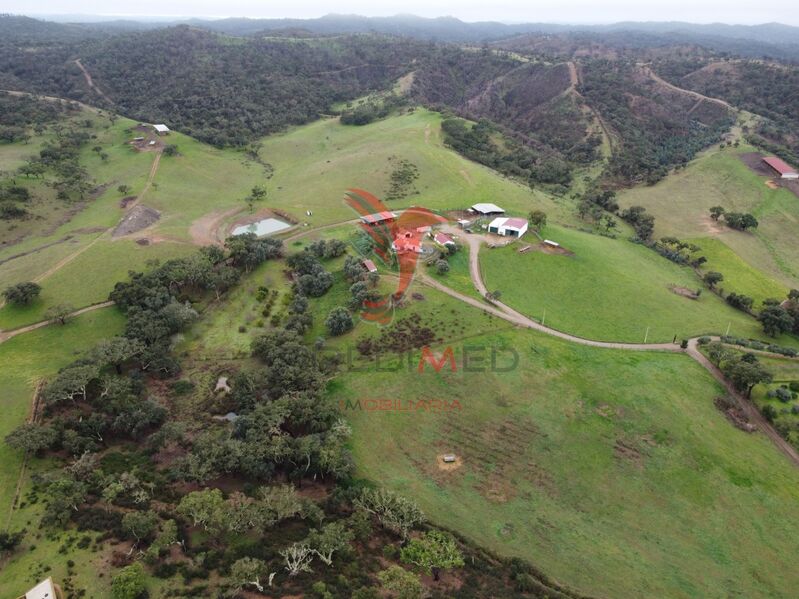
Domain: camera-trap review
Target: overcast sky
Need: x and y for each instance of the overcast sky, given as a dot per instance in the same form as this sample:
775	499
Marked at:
557	11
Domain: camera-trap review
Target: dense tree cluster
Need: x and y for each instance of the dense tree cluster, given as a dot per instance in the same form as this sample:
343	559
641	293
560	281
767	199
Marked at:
641	221
230	93
767	89
21	114
478	143
743	370
657	129
372	110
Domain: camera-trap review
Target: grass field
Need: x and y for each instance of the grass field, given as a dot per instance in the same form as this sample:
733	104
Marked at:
610	471
316	163
610	290
458	277
739	276
680	204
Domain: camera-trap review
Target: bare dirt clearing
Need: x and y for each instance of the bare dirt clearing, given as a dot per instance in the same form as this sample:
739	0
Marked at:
138	218
205	230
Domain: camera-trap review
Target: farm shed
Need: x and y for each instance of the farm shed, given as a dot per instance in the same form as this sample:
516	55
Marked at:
369	265
508	227
782	168
551	243
486	209
378	218
161	129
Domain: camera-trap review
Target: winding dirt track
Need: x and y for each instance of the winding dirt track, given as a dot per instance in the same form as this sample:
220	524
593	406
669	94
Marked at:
697	95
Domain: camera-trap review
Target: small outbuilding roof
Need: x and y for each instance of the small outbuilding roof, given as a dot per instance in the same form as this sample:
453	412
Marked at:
779	165
443	239
487	208
515	223
378	217
161	128
369	265
508	223
44	590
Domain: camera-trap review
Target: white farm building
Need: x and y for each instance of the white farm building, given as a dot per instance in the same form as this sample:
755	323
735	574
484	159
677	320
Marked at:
508	227
486	209
161	129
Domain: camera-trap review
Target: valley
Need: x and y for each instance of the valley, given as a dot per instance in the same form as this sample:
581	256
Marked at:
199	409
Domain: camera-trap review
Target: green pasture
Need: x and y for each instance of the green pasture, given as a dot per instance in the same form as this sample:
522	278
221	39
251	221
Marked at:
611	471
739	275
610	289
681	201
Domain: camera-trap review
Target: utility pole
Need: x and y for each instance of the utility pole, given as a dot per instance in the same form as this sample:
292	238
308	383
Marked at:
728	329
544	318
646	335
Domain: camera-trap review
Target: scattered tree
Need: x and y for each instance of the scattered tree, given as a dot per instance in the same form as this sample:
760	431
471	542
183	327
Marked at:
394	512
775	320
538	219
716	212
129	583
298	558
433	552
32	437
248	571
401	583
333	537
712	278
22	294
59	313
338	322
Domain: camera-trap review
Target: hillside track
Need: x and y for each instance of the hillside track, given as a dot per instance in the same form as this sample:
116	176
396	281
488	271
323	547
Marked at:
658	79
87	76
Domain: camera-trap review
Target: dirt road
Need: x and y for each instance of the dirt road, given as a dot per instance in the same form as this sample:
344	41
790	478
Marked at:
64	261
87	76
6	335
689	92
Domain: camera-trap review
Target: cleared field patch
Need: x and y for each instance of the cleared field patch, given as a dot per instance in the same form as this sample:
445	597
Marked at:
610	290
610	470
739	276
681	204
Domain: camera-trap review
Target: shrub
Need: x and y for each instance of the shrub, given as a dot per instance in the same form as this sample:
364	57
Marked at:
129	583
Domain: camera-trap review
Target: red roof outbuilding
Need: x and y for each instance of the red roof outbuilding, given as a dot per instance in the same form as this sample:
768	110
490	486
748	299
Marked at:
779	165
516	223
443	239
369	265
